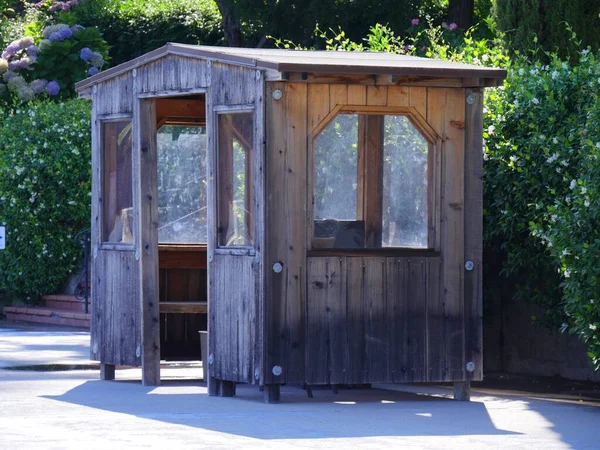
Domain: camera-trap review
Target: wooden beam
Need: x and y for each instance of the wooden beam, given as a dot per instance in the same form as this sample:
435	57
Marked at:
183	307
473	240
462	391
272	393
147	199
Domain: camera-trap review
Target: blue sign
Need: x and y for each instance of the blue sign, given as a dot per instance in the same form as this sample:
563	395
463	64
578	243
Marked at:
2	238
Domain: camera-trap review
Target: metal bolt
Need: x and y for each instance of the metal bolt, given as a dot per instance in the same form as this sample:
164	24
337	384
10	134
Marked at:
258	75
138	351
277	370
134	73
469	265
257	374
277	267
470	99
277	94
470	366
211	359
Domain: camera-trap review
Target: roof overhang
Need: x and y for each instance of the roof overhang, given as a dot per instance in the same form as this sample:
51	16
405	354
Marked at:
304	62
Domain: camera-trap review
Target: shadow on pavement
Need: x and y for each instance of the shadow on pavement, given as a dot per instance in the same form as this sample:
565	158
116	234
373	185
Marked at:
350	413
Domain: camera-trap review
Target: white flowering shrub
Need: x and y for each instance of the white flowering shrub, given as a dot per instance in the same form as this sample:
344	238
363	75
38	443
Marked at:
44	194
542	176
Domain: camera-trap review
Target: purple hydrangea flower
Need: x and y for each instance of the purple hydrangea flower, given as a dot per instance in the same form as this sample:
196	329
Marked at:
65	33
11	50
12	65
97	60
33	51
77	28
53	88
93	71
452	26
8	75
414	22
39	86
55	7
86	54
55	37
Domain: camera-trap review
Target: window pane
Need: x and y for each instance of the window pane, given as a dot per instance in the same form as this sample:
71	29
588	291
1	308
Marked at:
181	184
235	183
405	212
336	173
117	193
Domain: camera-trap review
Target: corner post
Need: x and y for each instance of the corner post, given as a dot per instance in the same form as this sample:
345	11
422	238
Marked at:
146	198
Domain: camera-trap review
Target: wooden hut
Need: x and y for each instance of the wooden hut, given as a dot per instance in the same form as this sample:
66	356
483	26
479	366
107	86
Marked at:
319	212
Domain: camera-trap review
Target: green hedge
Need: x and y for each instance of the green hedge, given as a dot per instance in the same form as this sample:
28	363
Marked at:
135	27
44	194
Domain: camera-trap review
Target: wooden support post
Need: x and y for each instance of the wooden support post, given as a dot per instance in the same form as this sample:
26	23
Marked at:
147	251
462	391
272	393
227	389
214	386
107	371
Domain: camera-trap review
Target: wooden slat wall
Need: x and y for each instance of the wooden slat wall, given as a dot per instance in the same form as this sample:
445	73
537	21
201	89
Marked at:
176	74
117	320
367	319
235	292
232	317
115	96
424	296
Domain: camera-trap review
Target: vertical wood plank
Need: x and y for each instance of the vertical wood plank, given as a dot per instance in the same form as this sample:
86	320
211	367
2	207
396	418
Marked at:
275	313
336	318
356	321
376	95
357	95
376	320
473	224
318	101
318	355
418	99
294	217
416	318
398	96
146	153
338	95
396	304
452	233
435	322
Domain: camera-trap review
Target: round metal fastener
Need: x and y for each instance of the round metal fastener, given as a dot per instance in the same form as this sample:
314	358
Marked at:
138	351
469	265
210	257
95	89
95	348
470	99
137	255
277	267
258	74
134	73
211	359
277	94
277	370
257	374
470	366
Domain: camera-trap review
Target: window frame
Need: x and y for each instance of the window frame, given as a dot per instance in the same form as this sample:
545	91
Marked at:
233	250
104	244
434	142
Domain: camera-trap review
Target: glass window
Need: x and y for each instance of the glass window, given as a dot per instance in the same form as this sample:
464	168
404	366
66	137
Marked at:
370	183
235	180
181	184
405	187
117	198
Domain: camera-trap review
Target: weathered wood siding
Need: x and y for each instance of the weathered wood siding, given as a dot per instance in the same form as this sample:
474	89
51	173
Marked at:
116	310
235	292
172	74
368	319
350	317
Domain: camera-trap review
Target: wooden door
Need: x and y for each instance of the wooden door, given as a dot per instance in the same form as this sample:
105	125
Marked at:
125	328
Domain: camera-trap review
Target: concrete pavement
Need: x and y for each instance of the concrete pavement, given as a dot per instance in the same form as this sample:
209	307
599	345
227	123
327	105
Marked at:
74	410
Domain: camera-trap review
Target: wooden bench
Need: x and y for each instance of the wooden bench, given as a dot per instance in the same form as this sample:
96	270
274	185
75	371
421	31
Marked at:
183	307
